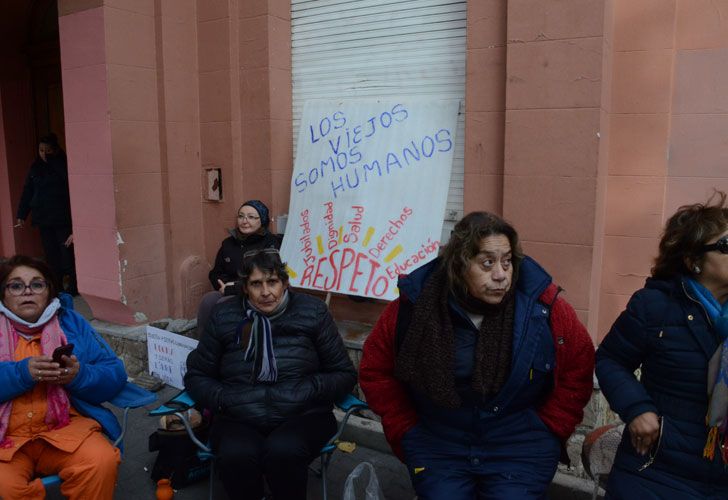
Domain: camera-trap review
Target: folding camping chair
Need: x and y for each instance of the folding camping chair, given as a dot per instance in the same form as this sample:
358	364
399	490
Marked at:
179	404
131	396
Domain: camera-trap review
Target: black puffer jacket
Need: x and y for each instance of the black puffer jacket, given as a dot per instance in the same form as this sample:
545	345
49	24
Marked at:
230	256
314	369
45	193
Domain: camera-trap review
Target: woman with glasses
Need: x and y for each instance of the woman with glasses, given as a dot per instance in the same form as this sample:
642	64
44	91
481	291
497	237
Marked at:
250	233
675	330
270	365
51	418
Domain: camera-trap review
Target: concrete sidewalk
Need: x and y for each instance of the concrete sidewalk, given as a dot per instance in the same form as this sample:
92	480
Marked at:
134	481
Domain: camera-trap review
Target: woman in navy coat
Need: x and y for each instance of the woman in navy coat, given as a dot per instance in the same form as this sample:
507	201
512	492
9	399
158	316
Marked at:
675	330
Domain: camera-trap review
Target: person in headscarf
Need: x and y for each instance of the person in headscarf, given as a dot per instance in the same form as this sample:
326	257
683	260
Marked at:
676	330
479	370
51	418
250	233
270	365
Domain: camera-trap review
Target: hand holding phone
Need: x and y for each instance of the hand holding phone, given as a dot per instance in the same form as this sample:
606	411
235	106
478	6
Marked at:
59	352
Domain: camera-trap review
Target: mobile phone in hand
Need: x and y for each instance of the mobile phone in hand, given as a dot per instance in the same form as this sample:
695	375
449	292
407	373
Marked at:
64	350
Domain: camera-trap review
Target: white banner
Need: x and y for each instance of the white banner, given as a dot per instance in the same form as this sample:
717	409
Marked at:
368	193
167	354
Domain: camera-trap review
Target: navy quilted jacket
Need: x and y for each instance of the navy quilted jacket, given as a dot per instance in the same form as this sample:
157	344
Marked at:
666	332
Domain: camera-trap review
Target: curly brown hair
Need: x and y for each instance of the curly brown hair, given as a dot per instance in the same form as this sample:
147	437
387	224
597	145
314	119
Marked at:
464	244
685	234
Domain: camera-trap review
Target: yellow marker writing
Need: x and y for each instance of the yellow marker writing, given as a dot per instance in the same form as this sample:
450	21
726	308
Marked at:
368	236
396	251
418	469
320	244
341	234
291	273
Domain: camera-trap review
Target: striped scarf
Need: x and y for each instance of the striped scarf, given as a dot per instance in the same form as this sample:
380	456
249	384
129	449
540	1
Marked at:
260	345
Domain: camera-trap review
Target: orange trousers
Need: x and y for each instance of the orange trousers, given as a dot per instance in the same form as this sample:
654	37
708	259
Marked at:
87	473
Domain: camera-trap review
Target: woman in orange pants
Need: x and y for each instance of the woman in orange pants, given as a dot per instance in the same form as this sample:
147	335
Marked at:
51	420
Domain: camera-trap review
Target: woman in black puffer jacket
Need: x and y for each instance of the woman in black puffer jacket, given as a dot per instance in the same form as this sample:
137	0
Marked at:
270	365
250	233
45	197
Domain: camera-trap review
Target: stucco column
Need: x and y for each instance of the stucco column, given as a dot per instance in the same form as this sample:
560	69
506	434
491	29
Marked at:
553	97
265	101
129	98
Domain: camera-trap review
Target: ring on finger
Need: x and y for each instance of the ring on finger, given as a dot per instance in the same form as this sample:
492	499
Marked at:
65	371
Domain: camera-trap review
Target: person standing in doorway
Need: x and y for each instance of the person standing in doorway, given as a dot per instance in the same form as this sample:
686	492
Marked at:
45	195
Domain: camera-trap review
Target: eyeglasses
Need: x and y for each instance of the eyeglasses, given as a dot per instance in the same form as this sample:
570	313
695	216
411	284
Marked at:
721	246
248	217
252	253
654	449
17	288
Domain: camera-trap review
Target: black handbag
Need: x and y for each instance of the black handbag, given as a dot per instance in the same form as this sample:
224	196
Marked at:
177	458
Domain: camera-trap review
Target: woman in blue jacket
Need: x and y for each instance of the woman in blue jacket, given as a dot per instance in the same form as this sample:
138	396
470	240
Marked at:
675	330
51	418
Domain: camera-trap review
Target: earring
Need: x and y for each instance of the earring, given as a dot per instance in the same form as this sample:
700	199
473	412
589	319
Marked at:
696	269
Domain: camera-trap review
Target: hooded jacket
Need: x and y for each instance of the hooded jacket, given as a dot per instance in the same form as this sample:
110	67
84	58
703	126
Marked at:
667	332
551	370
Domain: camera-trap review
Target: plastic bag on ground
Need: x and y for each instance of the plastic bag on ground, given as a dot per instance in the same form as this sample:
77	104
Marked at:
358	476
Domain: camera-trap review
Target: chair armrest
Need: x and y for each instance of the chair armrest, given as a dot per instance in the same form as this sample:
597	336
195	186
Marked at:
178	406
350	402
133	396
181	402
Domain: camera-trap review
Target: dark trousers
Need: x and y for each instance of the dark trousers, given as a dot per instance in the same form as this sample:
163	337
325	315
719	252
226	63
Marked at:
245	455
58	256
516	461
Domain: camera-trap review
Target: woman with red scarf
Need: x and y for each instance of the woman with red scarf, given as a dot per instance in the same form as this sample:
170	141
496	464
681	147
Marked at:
51	420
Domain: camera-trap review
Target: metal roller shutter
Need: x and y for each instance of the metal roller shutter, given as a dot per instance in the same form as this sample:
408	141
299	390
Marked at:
382	48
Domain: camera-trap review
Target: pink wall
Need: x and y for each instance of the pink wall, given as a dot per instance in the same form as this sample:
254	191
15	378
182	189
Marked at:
667	114
133	147
485	104
91	171
553	91
587	123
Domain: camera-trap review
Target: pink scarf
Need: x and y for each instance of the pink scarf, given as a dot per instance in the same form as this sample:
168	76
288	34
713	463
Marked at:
51	337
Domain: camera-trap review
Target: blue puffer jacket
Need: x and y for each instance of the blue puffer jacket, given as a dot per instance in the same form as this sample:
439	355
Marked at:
668	333
513	410
99	379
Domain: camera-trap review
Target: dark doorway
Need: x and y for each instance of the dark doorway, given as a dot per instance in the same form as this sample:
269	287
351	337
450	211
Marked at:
31	103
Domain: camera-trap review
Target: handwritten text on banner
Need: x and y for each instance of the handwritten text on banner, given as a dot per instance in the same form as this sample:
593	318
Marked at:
368	193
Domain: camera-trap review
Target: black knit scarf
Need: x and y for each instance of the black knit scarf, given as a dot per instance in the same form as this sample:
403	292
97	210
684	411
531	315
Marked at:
426	359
